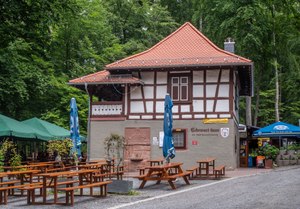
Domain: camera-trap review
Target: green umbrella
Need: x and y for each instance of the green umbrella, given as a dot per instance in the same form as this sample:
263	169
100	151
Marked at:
55	131
14	128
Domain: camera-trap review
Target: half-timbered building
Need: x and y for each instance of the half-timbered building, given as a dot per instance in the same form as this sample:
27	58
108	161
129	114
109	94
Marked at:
204	82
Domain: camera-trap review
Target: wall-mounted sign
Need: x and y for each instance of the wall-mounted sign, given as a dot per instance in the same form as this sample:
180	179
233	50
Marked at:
194	142
215	120
224	132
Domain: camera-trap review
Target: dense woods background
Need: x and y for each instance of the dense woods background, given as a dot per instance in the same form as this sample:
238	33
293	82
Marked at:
45	43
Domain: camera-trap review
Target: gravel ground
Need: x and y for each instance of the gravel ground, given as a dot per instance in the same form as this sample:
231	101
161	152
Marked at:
151	191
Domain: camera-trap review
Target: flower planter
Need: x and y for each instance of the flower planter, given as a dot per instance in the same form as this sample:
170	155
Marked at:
268	164
285	162
279	162
120	186
293	162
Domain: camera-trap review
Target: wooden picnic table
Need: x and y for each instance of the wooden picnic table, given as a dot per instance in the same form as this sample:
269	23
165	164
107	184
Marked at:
162	172
204	165
157	161
24	176
21	175
42	167
50	180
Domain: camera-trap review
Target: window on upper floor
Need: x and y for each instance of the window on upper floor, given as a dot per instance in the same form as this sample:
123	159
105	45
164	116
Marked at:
180	88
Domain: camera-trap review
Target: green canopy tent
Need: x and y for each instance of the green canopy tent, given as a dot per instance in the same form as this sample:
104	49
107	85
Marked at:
55	131
12	128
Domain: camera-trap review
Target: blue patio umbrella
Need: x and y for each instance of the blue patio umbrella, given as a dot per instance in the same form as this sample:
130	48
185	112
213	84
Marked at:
168	145
74	128
278	129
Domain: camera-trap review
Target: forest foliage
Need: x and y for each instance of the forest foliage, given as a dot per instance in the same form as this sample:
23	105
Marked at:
46	43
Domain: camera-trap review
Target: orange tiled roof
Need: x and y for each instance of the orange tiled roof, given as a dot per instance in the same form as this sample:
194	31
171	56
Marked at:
104	77
185	47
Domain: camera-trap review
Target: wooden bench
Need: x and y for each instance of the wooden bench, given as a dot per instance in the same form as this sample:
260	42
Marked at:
219	171
70	190
32	187
9	183
175	176
4	191
193	170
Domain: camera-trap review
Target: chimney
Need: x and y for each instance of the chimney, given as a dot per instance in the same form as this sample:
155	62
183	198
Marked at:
229	45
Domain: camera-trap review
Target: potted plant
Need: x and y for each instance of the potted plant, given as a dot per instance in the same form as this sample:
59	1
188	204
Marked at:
270	152
114	146
8	153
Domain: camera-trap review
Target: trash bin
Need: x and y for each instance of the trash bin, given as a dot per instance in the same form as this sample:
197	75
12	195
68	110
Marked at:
250	161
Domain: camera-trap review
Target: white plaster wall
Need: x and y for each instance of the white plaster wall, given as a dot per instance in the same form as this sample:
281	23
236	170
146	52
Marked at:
225	76
212	75
162	78
198	106
198	90
211	90
149	92
161	92
136	92
198	76
209	105
175	109
137	107
149	106
223	90
147	77
159	107
185	108
222	106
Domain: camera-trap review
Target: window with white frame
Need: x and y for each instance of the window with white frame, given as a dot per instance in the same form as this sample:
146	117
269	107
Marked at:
179	138
180	88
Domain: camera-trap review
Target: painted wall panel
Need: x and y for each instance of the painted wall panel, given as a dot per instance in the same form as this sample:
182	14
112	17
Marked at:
198	106
159	107
198	90
149	107
147	77
198	76
212	76
161	92
185	108
225	75
209	105
135	92
137	107
149	92
162	78
222	106
211	90
223	90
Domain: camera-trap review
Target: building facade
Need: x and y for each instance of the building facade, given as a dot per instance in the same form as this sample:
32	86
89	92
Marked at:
205	84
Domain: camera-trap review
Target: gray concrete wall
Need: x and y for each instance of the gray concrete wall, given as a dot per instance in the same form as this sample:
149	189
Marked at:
203	140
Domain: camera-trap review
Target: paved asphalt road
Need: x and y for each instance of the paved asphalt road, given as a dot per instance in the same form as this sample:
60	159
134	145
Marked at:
273	190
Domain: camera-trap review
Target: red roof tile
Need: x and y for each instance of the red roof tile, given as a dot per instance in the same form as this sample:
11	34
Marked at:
184	47
104	77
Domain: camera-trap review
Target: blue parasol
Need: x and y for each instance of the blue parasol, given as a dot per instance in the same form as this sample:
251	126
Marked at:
168	145
278	129
74	128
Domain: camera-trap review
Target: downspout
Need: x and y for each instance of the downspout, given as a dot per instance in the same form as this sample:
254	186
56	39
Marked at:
88	125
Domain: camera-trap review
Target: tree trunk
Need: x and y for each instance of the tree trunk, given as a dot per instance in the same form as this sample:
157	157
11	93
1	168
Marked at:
277	115
248	112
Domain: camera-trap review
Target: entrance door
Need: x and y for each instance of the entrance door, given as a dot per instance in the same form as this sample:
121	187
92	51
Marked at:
138	149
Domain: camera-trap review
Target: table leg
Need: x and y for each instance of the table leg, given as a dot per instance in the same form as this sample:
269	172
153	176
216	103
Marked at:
55	190
142	184
172	184
44	189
